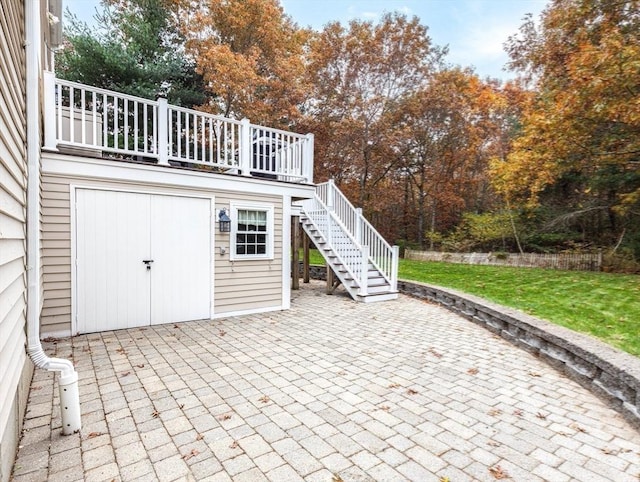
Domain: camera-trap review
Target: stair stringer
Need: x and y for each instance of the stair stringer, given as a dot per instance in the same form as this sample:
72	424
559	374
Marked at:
342	252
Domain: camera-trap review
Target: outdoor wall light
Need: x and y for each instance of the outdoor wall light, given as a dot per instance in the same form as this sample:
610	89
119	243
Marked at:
224	222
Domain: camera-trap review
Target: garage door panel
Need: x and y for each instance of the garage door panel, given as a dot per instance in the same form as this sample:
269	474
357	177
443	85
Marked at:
180	246
112	239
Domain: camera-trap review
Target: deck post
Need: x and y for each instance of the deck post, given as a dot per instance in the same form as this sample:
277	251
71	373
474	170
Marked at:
49	108
163	131
245	147
305	257
330	279
307	159
295	252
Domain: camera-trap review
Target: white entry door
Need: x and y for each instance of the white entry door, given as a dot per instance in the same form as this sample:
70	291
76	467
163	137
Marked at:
141	259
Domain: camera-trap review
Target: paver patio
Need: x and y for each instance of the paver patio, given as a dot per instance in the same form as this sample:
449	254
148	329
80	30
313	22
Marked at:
330	390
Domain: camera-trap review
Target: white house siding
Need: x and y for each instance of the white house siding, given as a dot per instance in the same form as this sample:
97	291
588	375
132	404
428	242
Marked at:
15	369
242	286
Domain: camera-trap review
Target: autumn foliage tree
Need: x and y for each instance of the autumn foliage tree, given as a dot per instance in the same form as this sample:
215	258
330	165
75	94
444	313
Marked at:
452	126
361	75
251	57
577	157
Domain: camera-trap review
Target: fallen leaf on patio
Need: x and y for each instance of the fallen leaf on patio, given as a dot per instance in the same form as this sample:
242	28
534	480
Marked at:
541	415
534	374
50	339
193	453
609	451
493	443
94	434
234	445
36	388
498	472
336	478
176	326
342	372
386	408
494	412
222	333
577	427
435	353
199	436
472	371
411	391
155	414
444	479
140	366
517	412
125	374
264	399
121	351
224	416
394	385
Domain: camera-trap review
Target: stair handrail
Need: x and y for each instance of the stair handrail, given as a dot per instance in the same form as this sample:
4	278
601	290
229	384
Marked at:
386	262
356	275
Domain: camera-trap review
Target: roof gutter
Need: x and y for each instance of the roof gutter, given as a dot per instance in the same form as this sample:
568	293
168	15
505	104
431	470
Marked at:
68	380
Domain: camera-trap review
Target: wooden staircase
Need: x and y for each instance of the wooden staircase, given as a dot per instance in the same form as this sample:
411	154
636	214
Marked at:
367	271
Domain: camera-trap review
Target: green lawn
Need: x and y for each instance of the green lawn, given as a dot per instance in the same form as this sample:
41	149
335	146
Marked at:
604	305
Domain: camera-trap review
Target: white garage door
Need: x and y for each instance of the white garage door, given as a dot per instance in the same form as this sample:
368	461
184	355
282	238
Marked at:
141	259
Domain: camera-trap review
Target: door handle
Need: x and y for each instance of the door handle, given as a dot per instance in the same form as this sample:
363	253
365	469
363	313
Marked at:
148	263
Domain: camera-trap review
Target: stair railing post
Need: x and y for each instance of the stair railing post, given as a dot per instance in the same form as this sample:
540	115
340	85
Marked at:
329	230
358	227
364	271
395	257
329	211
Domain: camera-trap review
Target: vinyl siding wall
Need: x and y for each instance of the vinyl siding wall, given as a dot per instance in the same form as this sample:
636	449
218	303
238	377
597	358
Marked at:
248	284
15	369
56	258
238	286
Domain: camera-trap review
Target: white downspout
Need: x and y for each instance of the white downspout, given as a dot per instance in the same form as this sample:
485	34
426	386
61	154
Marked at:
68	380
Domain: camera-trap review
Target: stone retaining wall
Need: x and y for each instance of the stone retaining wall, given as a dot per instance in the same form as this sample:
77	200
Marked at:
611	374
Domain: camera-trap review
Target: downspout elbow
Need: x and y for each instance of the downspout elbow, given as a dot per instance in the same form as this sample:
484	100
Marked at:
40	359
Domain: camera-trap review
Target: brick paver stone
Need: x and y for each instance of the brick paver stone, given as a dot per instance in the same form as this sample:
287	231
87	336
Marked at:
330	389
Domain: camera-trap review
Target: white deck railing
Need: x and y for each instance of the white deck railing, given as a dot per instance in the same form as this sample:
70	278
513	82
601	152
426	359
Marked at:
380	253
102	121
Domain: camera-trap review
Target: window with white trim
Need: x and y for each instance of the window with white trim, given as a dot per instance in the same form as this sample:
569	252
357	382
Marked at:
251	231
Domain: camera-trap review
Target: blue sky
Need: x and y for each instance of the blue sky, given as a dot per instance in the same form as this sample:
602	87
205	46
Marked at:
474	30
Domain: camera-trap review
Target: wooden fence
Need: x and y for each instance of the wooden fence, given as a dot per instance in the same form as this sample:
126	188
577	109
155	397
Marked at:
565	261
